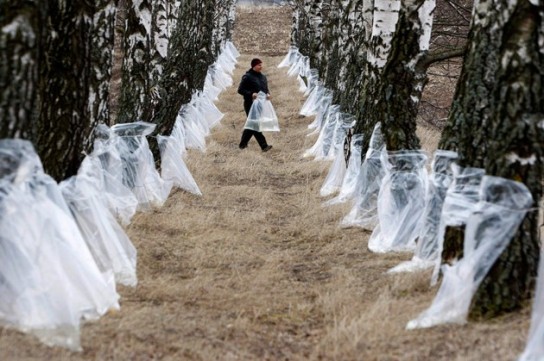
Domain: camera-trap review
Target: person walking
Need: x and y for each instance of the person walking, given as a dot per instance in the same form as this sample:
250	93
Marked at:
252	82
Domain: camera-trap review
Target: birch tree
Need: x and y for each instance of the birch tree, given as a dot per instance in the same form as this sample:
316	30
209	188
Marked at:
64	127
21	23
496	124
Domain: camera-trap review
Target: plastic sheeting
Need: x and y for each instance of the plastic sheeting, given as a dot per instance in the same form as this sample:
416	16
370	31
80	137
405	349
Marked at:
119	198
334	178
313	102
48	278
112	250
290	58
461	198
427	244
534	350
327	130
492	224
173	168
401	201
262	117
139	173
349	182
321	113
364	211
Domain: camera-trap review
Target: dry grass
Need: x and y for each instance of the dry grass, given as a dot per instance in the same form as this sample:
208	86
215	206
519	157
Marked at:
256	269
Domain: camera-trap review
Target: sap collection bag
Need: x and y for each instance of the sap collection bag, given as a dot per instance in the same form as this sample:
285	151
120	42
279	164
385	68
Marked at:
262	117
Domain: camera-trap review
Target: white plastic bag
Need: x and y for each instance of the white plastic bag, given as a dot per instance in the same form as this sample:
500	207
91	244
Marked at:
401	201
349	182
334	178
290	58
173	168
364	211
461	198
492	224
262	117
427	243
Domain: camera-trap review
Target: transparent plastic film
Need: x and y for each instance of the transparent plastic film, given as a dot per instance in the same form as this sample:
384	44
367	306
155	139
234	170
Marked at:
173	168
262	116
364	211
349	182
325	133
461	198
401	201
334	178
427	244
289	58
493	222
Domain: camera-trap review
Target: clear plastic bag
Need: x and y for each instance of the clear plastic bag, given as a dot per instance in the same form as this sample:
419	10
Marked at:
334	178
139	172
461	198
427	243
173	168
349	182
110	246
49	281
326	131
290	58
364	211
313	102
262	117
401	201
490	227
322	110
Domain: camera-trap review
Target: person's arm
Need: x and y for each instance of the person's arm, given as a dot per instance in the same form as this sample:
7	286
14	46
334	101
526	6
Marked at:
243	87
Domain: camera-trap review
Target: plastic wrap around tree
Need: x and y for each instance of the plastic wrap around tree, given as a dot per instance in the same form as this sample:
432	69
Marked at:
334	143
262	117
139	172
364	211
327	130
300	66
119	198
493	222
111	248
208	109
173	168
401	201
534	350
349	181
334	178
49	281
461	198
322	111
427	243
312	79
313	102
289	58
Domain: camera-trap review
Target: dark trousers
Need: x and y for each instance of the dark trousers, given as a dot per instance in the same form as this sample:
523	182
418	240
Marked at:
248	133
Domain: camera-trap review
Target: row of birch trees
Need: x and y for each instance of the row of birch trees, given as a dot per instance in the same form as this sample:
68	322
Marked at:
56	64
375	54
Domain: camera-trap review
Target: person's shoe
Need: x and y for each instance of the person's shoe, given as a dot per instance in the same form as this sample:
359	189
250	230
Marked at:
267	148
242	147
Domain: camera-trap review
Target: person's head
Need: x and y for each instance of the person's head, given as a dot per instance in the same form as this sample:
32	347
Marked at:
256	64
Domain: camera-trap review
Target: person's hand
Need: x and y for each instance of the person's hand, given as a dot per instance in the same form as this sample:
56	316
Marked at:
254	95
268	96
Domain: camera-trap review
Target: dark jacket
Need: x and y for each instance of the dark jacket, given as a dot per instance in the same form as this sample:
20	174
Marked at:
252	82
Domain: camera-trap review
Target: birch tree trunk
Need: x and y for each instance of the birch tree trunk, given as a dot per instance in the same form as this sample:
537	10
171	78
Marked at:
21	23
64	127
515	147
102	60
135	88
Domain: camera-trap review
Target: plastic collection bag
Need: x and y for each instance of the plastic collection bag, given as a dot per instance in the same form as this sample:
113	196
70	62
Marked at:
427	244
111	248
493	222
349	182
334	143
49	281
401	201
139	172
326	132
364	211
322	110
173	168
312	103
334	178
461	198
534	350
290	58
262	117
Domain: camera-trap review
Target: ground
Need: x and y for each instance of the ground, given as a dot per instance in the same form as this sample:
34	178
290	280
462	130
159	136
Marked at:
257	269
